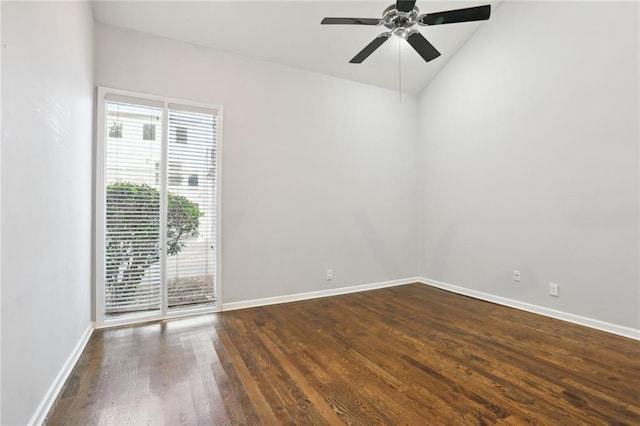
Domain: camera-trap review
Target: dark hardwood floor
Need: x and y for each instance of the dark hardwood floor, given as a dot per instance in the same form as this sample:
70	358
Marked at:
404	355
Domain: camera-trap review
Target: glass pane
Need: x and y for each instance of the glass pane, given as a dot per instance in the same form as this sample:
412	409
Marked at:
191	209
132	234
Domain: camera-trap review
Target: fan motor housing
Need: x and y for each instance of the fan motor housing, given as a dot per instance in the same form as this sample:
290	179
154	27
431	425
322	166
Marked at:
399	22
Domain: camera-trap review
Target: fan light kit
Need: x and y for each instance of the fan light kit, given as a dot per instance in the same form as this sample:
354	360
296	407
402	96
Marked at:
399	18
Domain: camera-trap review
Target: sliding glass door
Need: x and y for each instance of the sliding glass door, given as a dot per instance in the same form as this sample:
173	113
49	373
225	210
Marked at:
191	209
157	204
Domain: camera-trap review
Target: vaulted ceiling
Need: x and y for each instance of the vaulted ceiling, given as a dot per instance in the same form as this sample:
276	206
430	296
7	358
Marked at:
289	33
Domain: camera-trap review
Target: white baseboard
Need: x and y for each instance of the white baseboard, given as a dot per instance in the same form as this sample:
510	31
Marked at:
564	316
314	294
47	402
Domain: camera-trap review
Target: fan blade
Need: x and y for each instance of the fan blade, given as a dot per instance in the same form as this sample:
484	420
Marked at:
351	21
405	5
370	48
479	13
422	46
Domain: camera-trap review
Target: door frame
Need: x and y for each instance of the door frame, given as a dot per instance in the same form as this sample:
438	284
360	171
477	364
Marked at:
100	209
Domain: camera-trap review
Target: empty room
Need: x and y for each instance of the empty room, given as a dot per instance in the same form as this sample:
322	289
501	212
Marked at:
319	212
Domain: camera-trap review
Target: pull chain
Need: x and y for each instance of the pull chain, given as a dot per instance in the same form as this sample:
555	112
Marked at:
400	68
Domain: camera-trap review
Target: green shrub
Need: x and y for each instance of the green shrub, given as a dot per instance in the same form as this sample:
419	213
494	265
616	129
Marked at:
132	230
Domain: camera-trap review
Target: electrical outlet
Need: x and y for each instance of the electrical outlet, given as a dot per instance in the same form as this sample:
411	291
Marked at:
554	289
329	274
516	276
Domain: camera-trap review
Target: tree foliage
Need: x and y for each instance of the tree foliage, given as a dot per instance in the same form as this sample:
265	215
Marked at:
133	226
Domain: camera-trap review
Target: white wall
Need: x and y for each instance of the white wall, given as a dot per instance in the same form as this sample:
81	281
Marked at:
529	160
318	172
47	78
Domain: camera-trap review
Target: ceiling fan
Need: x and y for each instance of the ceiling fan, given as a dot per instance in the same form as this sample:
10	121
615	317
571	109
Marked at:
399	18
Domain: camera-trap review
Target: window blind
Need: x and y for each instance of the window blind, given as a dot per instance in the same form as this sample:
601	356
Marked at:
191	207
132	222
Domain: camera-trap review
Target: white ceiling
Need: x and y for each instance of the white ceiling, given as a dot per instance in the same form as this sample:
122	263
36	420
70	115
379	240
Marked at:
289	33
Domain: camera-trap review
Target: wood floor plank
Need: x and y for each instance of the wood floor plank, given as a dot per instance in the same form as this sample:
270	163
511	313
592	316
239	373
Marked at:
315	398
407	355
263	410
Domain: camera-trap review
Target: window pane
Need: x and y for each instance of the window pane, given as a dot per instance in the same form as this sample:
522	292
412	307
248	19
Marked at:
132	232
149	132
175	173
191	209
